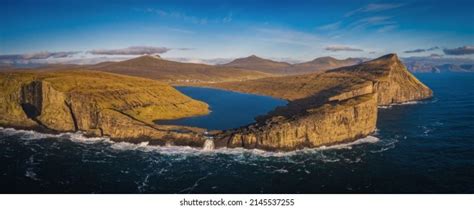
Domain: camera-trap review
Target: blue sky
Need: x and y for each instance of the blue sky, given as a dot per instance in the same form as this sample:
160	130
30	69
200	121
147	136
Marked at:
300	30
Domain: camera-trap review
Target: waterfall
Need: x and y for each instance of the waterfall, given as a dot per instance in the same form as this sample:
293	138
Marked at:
208	145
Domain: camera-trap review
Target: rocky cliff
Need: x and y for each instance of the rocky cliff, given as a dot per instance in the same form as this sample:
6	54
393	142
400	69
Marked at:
98	104
327	108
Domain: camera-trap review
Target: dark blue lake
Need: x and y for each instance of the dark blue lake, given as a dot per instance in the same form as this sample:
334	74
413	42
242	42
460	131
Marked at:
426	147
228	109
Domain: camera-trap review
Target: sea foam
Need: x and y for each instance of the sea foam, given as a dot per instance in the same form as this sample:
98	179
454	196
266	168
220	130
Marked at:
208	147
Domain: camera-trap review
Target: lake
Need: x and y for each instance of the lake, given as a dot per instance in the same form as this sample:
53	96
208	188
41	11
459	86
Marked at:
228	109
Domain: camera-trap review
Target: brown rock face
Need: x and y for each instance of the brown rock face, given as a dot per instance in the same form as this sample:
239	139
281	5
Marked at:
331	123
98	104
343	107
392	81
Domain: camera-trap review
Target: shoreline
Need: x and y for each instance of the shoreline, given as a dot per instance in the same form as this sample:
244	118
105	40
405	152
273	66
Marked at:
79	137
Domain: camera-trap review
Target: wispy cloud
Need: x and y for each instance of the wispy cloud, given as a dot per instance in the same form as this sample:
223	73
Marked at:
434	55
186	17
464	50
184	49
228	18
421	50
179	30
177	15
331	26
373	8
37	55
369	22
348	26
287	36
387	28
133	50
214	61
337	48
369	19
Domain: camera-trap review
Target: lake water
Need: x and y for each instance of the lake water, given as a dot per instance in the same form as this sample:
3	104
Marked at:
425	147
228	109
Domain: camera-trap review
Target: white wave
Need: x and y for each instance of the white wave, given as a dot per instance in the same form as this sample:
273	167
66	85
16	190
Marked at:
129	146
407	103
32	175
281	170
179	150
365	140
31	135
81	138
25	134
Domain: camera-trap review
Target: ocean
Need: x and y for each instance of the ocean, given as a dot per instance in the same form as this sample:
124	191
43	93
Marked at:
419	147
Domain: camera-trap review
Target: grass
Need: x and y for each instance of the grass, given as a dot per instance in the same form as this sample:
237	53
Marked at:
143	99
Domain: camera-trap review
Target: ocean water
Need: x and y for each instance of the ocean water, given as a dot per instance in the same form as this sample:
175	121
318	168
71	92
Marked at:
423	147
228	109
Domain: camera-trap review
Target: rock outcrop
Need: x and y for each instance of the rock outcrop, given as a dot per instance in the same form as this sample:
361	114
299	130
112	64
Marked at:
98	104
332	123
332	107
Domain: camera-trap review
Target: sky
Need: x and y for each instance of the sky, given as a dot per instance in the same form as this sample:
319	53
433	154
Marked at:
216	30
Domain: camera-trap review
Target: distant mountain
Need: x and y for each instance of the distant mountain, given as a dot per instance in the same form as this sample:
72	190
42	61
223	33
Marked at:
154	67
324	63
269	66
443	68
439	64
259	64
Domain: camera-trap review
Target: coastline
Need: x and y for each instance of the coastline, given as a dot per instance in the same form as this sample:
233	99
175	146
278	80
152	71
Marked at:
339	106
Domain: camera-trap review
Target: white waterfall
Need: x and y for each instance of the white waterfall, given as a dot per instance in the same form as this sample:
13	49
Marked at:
208	145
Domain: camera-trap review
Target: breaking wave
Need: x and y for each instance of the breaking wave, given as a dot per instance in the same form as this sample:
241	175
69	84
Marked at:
79	137
408	103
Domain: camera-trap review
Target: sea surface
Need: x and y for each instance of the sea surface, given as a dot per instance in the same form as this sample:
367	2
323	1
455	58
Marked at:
419	147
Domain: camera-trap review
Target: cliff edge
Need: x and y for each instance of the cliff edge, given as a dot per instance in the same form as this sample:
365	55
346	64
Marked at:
326	108
96	103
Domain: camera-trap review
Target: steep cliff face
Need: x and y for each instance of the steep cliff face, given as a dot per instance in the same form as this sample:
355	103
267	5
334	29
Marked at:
332	123
391	80
46	106
327	108
99	104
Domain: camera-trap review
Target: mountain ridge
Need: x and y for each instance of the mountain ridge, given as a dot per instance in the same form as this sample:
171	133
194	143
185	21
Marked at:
256	63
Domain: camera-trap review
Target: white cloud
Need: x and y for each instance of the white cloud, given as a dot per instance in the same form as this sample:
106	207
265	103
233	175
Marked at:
373	8
133	50
337	48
